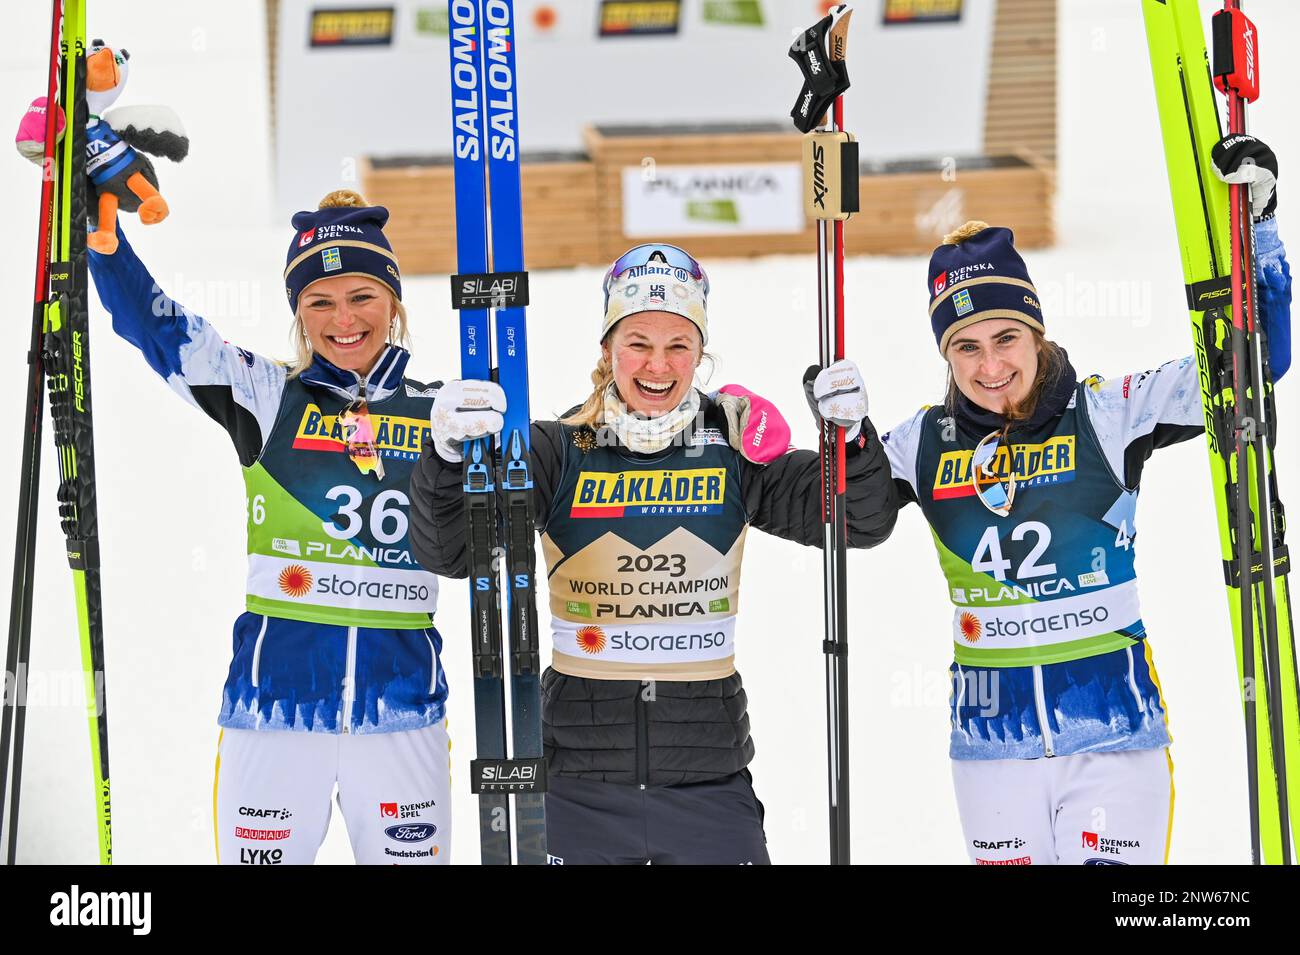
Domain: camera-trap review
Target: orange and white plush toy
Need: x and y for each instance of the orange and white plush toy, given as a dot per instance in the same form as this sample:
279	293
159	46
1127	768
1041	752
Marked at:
122	178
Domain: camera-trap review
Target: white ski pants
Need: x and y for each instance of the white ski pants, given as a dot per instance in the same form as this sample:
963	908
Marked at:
273	790
1086	809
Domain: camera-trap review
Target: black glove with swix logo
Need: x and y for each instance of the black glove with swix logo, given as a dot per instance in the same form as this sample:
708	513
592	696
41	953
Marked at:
1241	158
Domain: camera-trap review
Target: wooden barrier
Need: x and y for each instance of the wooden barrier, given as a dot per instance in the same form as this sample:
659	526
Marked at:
559	197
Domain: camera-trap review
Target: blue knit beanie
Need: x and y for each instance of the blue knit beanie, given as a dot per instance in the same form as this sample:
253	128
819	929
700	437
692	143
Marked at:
978	274
343	237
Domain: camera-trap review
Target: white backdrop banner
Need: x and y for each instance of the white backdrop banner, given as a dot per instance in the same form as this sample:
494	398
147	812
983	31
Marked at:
365	79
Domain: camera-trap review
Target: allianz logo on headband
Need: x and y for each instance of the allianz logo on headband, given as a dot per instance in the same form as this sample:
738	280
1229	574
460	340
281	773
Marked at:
657	268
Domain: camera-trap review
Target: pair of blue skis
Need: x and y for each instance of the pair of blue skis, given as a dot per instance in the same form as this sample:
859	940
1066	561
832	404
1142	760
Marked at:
490	257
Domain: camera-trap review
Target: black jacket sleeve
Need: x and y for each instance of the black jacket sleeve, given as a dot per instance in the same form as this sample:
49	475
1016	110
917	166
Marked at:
438	500
784	497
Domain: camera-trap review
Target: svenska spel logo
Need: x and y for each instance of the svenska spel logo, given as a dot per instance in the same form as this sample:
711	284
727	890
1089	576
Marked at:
940	282
388	810
306	236
295	580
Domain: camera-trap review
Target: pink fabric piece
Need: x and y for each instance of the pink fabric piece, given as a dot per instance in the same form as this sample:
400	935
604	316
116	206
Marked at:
767	435
31	130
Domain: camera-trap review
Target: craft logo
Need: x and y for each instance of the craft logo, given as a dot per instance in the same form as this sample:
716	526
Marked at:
295	580
331	260
265	835
970	627
591	640
941	282
639	17
963	303
921	11
265	813
359	26
395	437
1015	842
307	236
649	494
1051	462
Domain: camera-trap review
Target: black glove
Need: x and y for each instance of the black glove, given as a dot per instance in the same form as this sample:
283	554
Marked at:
1242	158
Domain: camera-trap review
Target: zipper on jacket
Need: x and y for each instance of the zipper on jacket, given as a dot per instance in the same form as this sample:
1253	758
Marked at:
257	651
350	680
642	739
1041	704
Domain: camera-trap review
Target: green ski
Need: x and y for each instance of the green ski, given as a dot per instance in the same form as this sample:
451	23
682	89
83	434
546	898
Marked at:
1240	428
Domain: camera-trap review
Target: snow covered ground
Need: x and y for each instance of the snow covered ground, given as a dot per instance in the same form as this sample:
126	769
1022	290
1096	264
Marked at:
172	509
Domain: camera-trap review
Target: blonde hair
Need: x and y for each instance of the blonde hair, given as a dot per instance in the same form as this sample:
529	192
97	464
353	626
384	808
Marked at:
972	227
1051	362
398	328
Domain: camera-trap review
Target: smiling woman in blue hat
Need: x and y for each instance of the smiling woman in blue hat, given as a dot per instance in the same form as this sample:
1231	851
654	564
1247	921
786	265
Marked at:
335	681
1029	478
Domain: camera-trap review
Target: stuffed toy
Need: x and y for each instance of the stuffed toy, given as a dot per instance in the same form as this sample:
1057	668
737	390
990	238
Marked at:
122	179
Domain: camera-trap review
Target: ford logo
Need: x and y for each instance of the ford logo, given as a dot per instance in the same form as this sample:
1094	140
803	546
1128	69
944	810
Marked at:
411	832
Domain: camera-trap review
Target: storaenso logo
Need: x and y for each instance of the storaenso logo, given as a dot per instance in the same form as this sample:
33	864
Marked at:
666	642
501	78
74	908
464	77
1050	623
411	833
375	589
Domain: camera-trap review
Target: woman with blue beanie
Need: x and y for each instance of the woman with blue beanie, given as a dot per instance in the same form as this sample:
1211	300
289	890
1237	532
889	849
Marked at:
335	679
1029	479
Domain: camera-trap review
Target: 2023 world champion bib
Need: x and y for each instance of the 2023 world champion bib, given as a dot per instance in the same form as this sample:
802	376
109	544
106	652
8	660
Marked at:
644	562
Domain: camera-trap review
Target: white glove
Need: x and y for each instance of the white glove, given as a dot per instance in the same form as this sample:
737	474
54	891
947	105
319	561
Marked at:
464	410
840	396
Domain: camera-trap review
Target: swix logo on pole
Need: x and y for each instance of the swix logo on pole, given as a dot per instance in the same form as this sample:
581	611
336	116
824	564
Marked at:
465	103
819	175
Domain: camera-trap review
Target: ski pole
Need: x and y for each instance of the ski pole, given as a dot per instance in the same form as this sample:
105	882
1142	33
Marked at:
830	166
